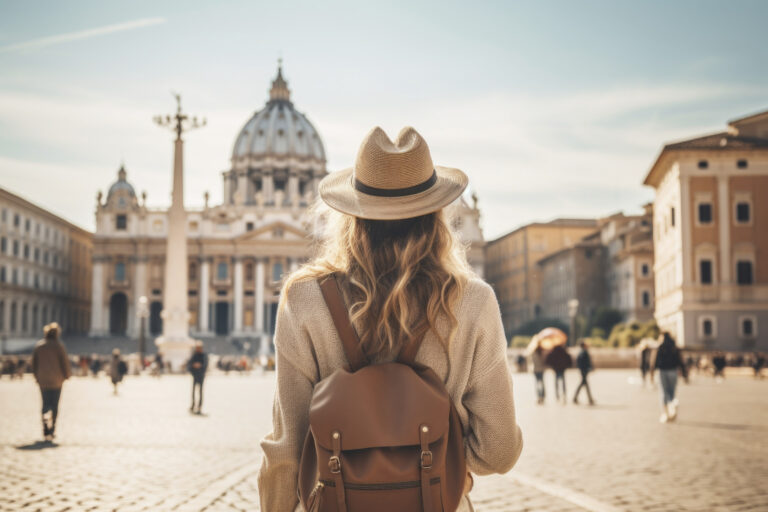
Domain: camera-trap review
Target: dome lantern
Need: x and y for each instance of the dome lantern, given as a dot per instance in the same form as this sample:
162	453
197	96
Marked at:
280	91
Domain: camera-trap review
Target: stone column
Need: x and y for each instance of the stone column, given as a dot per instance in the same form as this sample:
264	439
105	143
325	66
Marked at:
238	295
268	186
293	187
97	298
724	226
258	322
293	265
203	293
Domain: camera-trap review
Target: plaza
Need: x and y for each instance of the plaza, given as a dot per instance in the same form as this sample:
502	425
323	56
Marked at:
142	450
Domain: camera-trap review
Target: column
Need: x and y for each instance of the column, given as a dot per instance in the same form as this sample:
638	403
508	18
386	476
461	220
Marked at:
238	295
724	221
293	187
268	187
258	324
293	265
139	289
241	193
204	286
97	298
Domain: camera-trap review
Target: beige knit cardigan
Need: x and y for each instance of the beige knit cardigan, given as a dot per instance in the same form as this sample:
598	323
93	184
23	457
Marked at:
475	372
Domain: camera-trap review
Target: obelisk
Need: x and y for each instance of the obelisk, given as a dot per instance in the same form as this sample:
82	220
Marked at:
175	343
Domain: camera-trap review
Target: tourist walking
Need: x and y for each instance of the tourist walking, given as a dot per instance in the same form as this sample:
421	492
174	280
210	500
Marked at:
559	360
117	369
426	321
584	364
50	366
758	362
719	364
668	361
197	365
537	362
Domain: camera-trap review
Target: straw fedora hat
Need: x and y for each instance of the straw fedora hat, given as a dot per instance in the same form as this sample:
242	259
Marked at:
392	180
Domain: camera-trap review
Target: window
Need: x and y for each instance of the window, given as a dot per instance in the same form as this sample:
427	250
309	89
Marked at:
16	220
705	271
703	164
2	310
221	271
742	212
27	225
646	299
707	327
672	216
645	269
742	163
120	271
14	276
2	274
3	245
747	326
249	226
588	254
15	247
26	251
121	222
744	272
249	272
192	271
13	317
277	271
705	213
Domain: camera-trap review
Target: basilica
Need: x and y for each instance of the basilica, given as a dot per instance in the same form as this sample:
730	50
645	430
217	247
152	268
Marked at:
238	251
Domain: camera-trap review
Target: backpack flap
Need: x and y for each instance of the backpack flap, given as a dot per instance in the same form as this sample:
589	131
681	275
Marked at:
382	405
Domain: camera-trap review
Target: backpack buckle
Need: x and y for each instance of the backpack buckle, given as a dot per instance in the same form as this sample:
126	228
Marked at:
426	459
334	464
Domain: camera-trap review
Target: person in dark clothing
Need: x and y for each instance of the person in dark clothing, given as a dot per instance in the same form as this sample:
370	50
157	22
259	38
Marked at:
757	364
50	366
197	365
668	361
719	363
645	363
559	360
584	363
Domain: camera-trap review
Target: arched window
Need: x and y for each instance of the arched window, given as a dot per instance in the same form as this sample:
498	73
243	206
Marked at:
120	271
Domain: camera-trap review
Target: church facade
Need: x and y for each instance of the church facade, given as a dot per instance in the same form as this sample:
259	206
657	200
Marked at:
238	251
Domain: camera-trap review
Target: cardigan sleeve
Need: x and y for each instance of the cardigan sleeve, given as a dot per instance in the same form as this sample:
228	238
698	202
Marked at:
278	476
493	440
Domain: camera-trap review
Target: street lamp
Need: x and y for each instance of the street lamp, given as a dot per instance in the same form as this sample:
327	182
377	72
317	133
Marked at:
573	310
142	312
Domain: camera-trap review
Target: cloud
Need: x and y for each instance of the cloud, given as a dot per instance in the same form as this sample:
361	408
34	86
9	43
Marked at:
529	156
42	42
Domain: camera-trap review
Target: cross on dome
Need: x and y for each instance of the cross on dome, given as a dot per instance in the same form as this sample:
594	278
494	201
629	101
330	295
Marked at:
280	91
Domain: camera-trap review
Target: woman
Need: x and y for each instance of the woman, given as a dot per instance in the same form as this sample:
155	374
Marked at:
537	361
401	272
50	365
117	369
668	361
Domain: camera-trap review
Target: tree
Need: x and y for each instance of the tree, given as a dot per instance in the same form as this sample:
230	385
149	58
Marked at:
605	318
534	326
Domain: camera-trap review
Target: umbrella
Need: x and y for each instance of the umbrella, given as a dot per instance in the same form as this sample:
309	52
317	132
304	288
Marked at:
547	338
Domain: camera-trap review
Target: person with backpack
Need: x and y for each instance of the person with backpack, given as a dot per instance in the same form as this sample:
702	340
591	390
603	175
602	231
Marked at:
50	366
392	382
117	369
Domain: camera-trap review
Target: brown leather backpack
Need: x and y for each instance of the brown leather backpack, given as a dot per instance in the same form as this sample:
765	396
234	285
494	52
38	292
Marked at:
382	437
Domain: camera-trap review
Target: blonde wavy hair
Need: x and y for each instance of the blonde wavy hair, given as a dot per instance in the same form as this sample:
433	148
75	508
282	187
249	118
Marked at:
400	276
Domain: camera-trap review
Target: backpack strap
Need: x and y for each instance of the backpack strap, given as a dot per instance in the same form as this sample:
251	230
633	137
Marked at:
408	351
349	339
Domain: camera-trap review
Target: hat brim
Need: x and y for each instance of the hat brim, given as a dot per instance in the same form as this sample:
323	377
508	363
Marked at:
337	190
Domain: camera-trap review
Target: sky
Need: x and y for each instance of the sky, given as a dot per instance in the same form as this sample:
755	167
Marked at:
553	108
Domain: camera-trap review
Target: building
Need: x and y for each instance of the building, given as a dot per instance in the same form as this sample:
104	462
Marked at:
45	270
628	240
575	272
239	250
710	218
511	265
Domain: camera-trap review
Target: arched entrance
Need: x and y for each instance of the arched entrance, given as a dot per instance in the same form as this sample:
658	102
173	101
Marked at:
118	314
155	320
222	318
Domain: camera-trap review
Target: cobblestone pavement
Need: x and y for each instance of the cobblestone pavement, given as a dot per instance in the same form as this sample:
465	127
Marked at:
142	450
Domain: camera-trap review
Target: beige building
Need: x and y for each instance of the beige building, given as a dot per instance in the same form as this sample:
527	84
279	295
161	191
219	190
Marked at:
711	249
628	241
573	273
239	250
511	265
45	270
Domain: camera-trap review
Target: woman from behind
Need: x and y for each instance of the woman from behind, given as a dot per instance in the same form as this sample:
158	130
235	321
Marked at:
403	276
668	361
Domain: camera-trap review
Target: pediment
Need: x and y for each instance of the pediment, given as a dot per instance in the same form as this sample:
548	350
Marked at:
277	230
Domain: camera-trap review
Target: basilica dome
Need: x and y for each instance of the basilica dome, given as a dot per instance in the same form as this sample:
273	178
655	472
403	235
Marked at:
278	131
121	185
